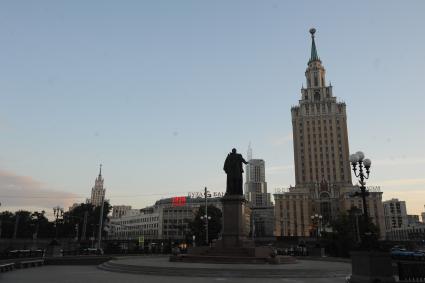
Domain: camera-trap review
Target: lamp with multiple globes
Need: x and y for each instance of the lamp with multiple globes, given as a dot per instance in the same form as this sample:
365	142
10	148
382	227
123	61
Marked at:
361	169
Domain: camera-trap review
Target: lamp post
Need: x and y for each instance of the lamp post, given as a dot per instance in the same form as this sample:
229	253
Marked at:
359	162
57	212
317	219
206	218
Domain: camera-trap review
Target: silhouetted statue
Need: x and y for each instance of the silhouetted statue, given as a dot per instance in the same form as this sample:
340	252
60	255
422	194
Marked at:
233	168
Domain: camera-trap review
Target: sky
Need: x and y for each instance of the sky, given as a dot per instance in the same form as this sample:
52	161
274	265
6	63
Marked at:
160	91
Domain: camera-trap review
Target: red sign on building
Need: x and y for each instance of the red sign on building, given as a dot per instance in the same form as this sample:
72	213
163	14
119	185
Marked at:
178	201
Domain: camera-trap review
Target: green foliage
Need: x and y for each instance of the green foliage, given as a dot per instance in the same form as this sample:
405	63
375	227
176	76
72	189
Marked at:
36	225
197	226
29	225
75	217
350	232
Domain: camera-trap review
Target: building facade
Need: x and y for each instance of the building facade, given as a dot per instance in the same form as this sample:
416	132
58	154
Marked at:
134	224
261	207
167	219
98	191
395	214
415	233
321	157
255	184
120	210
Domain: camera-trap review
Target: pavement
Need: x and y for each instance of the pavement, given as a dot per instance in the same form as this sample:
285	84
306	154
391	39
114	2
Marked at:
162	265
75	273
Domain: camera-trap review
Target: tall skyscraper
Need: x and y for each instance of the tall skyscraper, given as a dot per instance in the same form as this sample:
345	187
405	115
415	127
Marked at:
255	182
98	192
320	133
262	210
321	155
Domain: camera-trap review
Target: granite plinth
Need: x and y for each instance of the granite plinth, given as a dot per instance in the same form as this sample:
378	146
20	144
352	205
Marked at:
234	245
370	266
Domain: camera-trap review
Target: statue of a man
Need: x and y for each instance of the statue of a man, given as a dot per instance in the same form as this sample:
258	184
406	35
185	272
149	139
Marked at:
233	168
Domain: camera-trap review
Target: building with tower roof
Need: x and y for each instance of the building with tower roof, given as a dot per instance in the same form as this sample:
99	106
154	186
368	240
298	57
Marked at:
323	181
98	191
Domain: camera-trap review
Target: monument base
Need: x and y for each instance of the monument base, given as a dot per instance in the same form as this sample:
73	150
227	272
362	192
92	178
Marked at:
234	245
369	266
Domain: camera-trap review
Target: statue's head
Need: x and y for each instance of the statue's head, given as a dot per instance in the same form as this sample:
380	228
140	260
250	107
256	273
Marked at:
234	150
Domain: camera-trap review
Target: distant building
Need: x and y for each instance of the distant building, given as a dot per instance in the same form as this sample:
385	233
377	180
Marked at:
120	210
167	219
261	207
414	233
423	216
413	220
323	183
98	192
175	216
395	214
135	223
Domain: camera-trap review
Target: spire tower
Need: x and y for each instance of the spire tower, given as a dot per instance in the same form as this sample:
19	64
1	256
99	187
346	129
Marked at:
314	56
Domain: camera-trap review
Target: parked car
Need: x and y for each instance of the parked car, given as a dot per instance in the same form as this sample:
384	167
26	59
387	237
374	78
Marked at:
419	255
401	253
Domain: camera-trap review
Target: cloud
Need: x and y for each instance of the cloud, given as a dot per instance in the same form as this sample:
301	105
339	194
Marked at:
23	192
397	161
282	140
401	183
407	189
279	169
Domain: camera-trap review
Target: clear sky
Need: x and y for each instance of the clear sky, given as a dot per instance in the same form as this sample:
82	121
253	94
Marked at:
160	91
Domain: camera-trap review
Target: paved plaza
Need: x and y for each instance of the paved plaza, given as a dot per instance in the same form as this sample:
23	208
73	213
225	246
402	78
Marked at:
303	271
72	274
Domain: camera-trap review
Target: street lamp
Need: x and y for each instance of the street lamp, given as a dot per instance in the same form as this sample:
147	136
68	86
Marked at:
206	218
317	219
358	161
57	212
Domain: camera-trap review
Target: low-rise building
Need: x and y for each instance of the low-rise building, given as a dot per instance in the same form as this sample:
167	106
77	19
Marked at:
295	206
120	210
134	224
413	220
414	233
167	219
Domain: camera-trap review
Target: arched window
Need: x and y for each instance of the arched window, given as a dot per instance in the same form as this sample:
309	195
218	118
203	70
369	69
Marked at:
317	96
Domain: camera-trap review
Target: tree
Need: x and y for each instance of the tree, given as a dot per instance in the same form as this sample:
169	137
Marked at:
7	224
351	232
75	218
197	225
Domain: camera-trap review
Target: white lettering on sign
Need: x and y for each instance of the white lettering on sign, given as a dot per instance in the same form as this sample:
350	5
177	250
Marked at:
375	189
281	190
201	194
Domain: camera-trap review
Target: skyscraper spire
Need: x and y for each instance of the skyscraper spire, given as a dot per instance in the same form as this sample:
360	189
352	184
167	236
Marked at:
314	56
100	169
249	153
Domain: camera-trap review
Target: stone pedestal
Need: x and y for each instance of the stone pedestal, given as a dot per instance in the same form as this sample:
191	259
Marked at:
234	245
370	266
234	222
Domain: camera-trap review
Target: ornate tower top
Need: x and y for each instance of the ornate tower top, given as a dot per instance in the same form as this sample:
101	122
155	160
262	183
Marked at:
314	56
